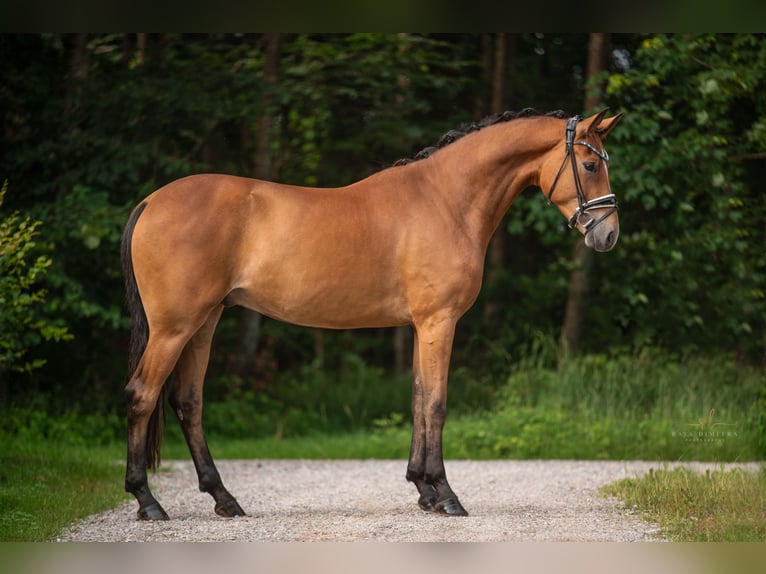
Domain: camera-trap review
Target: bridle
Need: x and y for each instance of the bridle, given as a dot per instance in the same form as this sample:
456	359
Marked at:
608	201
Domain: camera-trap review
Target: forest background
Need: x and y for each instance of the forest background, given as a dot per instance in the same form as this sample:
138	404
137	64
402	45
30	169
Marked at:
675	315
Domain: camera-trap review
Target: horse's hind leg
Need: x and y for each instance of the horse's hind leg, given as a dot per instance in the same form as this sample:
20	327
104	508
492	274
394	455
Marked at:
143	393
186	400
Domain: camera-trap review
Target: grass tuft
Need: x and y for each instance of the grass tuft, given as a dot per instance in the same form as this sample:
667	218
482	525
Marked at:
689	506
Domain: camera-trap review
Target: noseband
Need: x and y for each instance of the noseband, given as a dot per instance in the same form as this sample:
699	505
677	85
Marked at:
608	201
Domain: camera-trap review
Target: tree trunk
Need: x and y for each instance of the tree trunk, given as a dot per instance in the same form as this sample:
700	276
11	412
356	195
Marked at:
582	257
482	97
263	135
571	330
250	322
140	48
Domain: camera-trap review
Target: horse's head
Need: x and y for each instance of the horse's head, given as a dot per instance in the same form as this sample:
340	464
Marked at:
581	180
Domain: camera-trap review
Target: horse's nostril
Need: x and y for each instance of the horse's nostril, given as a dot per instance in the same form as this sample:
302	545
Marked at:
610	238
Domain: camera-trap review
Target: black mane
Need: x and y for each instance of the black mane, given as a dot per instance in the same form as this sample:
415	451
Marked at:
464	129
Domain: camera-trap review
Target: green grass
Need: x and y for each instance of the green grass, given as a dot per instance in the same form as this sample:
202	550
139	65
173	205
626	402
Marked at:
45	486
719	506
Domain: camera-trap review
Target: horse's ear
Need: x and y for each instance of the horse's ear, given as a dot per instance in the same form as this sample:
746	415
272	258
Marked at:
591	124
605	126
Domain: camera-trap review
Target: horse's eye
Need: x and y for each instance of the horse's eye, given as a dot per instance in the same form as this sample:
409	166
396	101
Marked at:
590	166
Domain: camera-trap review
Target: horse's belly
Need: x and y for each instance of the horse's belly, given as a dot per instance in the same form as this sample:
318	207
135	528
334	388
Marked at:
333	302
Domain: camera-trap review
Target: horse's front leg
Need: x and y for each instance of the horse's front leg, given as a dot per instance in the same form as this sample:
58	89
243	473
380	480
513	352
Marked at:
433	347
416	467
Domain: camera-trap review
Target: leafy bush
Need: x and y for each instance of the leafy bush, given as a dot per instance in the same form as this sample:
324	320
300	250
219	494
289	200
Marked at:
22	321
37	424
313	399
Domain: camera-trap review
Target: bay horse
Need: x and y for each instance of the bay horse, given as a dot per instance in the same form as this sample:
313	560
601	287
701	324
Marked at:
404	246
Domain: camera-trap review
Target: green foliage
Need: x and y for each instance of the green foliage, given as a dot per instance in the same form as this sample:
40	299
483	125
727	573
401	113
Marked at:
651	406
313	400
353	396
23	322
41	423
690	271
719	506
352	104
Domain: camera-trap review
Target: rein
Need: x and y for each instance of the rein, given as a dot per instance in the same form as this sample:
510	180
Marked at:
608	201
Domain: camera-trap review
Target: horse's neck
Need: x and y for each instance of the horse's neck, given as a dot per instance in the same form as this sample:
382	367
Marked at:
481	175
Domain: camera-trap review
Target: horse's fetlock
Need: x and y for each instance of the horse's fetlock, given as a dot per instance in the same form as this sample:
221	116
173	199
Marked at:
135	484
435	478
210	482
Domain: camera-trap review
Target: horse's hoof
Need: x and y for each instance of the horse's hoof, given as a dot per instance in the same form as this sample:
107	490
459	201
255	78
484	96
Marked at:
450	507
229	509
152	512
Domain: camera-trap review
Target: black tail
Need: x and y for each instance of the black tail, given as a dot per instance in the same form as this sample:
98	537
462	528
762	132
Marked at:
139	336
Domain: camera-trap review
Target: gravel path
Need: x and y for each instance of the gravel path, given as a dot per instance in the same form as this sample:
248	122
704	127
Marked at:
310	500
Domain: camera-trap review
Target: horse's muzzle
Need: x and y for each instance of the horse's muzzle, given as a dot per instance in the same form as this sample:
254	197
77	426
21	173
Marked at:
602	237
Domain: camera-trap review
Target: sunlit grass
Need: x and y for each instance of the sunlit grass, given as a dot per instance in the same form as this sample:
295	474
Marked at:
718	506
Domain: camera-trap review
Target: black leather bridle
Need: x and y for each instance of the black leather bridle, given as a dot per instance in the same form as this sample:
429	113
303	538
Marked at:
608	201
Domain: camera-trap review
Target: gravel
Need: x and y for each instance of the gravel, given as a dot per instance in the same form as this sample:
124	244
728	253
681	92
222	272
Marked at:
369	500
